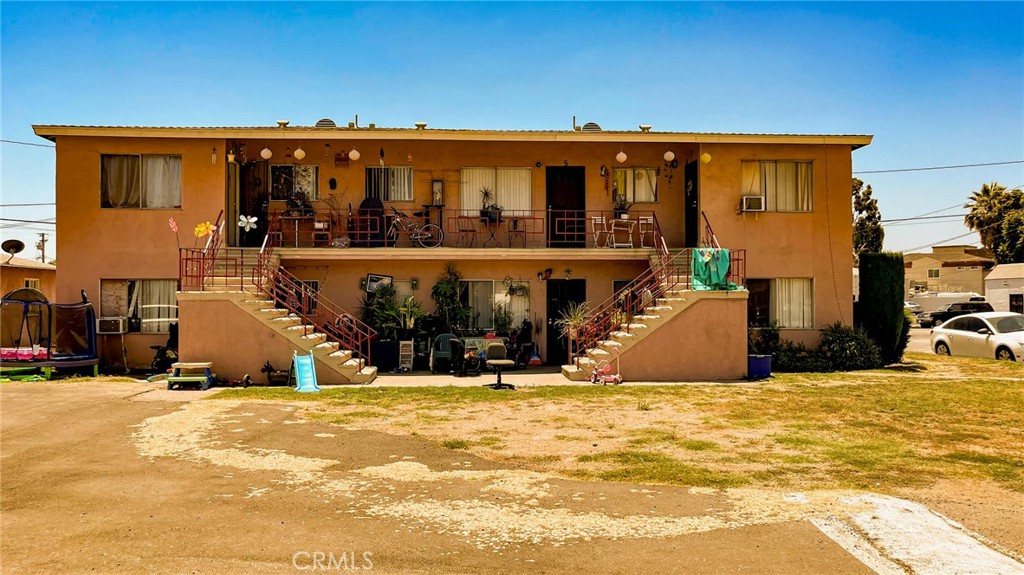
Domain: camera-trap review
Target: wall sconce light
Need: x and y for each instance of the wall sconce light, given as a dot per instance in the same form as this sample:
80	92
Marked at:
568	273
544	275
415	283
705	158
265	153
213	156
621	157
299	153
669	156
604	170
231	157
354	155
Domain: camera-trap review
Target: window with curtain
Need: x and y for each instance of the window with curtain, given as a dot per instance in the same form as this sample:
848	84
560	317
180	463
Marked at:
479	295
140	181
792	302
635	185
153	303
518	305
511	189
289	180
787	186
389	184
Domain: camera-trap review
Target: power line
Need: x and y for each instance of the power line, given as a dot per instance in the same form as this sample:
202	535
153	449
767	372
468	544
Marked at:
46	221
26	205
915	218
977	231
939	167
27	144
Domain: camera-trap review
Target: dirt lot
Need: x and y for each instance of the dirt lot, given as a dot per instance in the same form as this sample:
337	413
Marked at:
124	477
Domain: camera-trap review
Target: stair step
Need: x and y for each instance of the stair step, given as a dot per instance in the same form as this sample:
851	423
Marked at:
610	344
304	327
333	345
287	319
354	362
273	310
619	335
340	354
647	317
365	375
657	308
573	373
316	335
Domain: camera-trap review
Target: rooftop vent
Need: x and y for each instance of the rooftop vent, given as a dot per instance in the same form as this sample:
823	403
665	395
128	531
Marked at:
326	123
282	123
645	128
591	127
421	125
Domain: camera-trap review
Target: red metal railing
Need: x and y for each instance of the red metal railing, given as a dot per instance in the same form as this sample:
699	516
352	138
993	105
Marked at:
238	269
471	228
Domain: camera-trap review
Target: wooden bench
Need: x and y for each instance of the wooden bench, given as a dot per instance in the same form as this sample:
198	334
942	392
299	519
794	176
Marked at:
206	379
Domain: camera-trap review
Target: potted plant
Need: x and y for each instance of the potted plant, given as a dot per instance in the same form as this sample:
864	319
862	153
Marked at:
502	320
407	314
620	204
489	208
379	310
572	318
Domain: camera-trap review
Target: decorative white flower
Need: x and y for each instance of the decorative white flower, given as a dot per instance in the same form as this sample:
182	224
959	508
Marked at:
247	223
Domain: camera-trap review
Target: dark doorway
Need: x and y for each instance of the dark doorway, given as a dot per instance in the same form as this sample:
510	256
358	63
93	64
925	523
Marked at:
691	209
567	200
253	200
560	294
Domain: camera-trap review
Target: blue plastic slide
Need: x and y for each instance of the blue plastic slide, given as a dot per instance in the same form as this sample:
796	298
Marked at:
305	373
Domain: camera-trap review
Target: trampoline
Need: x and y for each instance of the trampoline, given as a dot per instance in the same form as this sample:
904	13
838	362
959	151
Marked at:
35	333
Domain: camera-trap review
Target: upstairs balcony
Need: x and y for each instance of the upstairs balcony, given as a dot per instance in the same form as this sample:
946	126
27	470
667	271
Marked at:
433	231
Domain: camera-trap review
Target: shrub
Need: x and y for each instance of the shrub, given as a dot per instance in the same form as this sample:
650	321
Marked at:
796	358
881	311
845	348
763	340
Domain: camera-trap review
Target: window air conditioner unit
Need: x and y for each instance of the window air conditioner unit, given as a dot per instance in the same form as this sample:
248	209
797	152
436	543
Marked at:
112	325
753	203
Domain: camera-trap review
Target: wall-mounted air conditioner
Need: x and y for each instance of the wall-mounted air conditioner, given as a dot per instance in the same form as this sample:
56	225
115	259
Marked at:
753	204
114	325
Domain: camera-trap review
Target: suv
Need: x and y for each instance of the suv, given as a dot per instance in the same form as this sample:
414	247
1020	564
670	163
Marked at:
951	310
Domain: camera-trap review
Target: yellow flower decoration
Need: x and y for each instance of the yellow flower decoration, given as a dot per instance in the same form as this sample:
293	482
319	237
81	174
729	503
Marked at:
203	229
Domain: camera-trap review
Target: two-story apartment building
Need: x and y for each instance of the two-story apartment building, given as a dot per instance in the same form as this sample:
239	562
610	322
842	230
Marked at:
324	198
955	268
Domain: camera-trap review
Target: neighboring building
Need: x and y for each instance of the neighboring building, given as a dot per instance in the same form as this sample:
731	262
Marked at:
784	199
16	273
948	269
1004	287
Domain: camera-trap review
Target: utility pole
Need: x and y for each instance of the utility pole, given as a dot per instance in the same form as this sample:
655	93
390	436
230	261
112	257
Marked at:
41	246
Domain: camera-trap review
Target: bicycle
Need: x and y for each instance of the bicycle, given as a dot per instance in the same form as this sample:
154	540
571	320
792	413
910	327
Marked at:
427	235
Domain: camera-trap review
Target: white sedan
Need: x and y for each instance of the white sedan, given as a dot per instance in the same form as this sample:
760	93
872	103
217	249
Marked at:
995	334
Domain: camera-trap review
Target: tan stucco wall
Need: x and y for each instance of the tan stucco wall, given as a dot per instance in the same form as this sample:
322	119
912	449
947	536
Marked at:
96	243
707	341
236	342
789	244
12	278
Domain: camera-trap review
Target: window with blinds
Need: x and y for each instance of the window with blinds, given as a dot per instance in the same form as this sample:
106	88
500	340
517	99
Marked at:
484	295
510	188
389	184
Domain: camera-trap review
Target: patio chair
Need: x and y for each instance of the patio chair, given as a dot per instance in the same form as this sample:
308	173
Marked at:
516	229
441	349
599	225
496	359
466	226
321	230
646	229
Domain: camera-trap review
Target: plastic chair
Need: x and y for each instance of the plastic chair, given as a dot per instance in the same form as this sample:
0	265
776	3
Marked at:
321	229
646	228
599	225
441	349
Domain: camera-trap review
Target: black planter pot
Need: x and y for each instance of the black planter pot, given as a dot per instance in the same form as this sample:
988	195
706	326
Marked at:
491	216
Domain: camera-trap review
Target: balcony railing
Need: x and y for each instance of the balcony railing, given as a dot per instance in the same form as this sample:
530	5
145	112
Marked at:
437	227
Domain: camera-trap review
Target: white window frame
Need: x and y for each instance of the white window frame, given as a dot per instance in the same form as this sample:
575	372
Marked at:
520	305
313	193
141	183
760	182
633	178
936	275
397	188
501	180
32	283
136	307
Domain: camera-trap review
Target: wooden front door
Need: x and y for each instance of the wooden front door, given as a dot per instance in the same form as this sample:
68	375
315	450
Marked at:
560	294
567	200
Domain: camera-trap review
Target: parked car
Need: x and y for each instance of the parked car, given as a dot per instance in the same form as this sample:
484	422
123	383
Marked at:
951	310
912	307
997	334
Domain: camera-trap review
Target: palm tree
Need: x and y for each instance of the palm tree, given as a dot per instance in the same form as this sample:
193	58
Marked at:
985	207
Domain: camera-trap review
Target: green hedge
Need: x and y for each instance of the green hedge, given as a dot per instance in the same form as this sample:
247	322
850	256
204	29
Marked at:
880	312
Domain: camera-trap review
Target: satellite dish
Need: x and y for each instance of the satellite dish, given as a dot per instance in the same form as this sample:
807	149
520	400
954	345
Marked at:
12	247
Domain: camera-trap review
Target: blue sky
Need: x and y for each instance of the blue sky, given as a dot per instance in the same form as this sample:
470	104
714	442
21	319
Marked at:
935	83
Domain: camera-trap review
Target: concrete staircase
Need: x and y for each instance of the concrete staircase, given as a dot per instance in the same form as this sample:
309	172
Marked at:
628	336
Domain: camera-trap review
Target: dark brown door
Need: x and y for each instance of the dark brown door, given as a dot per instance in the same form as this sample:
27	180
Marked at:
560	294
567	200
691	209
254	200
